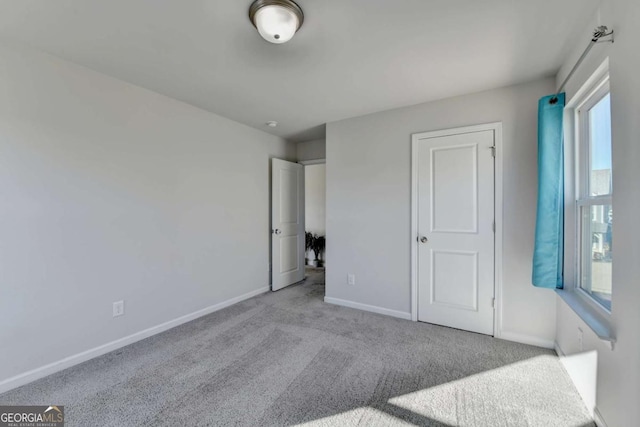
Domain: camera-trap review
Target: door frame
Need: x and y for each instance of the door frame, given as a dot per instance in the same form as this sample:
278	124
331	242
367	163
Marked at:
313	162
496	127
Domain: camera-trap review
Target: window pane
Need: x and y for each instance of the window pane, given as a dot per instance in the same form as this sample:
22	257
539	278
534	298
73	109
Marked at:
600	147
597	252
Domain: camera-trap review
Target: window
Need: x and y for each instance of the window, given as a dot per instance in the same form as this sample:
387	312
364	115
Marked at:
594	195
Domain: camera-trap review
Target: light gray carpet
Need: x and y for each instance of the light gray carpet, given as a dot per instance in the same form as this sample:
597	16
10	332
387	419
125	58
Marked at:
288	358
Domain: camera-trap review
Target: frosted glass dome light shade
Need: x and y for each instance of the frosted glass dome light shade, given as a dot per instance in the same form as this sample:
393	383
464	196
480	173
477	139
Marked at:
276	20
276	24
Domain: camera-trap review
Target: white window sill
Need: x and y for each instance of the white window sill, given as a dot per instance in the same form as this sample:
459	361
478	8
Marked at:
593	317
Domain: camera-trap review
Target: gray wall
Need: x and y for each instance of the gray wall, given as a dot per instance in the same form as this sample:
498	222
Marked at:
369	197
618	370
311	150
113	192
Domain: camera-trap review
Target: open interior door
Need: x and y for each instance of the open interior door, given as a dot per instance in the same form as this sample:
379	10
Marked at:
287	223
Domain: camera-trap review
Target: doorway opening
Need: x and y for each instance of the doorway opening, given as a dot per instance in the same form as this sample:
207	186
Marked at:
298	226
315	220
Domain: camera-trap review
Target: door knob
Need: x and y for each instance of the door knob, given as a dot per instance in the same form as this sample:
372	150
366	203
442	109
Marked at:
276	231
423	239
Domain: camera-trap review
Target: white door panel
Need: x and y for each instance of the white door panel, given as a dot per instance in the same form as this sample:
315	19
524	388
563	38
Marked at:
454	281
287	223
454	172
455	226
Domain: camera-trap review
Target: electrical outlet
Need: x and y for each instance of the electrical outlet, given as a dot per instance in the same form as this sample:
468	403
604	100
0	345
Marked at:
351	279
118	308
580	340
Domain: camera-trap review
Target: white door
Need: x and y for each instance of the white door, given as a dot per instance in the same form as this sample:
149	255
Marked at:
287	223
455	241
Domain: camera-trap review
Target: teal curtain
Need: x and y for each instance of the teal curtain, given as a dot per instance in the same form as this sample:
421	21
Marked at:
549	238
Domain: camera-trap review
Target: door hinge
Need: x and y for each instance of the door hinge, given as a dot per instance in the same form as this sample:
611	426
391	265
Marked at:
493	226
493	303
493	151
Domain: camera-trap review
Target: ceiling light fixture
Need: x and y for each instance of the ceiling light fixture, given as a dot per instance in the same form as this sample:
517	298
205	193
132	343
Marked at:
272	123
276	20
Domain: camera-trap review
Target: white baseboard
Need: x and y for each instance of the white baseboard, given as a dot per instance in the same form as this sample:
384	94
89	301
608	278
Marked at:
76	359
558	350
366	307
526	339
597	417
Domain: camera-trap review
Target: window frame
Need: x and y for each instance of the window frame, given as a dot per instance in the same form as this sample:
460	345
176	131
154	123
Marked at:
579	198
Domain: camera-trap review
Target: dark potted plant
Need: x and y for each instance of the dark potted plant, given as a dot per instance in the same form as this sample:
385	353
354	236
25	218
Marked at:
308	244
318	248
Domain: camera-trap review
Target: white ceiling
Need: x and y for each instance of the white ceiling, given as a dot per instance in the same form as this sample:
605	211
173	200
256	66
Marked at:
351	57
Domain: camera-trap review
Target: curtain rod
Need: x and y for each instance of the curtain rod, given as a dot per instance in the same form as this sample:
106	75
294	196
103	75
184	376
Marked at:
598	34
